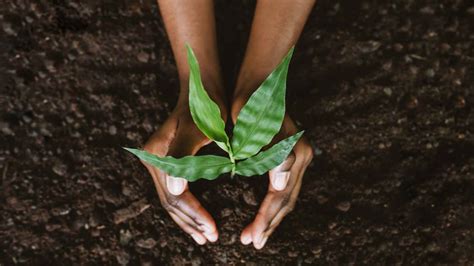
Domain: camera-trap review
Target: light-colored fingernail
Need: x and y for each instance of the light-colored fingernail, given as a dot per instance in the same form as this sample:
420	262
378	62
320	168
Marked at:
199	239
211	236
246	239
257	239
262	243
175	185
280	179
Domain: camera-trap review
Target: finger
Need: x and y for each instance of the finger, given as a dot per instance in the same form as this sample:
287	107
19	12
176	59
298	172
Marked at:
169	201
271	205
190	210
187	141
196	235
176	185
254	231
276	204
190	207
246	235
298	170
174	193
280	175
187	208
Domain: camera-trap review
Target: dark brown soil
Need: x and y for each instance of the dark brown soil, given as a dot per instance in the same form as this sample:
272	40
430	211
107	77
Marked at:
383	88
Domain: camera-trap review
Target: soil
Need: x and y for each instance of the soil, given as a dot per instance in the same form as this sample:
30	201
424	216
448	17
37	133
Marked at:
384	90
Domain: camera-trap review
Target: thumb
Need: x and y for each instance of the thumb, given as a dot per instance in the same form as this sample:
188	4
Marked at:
187	141
176	185
280	175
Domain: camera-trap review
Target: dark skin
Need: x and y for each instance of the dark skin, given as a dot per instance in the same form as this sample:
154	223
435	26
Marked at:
276	27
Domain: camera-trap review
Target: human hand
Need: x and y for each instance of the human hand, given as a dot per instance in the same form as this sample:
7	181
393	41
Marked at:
179	137
284	187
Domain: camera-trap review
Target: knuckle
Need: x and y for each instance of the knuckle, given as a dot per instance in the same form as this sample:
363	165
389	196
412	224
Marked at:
174	202
166	206
290	207
287	203
286	200
170	203
308	153
147	147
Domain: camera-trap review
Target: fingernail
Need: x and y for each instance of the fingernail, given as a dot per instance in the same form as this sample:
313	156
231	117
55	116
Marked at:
257	240
175	185
199	239
262	243
210	236
280	179
245	239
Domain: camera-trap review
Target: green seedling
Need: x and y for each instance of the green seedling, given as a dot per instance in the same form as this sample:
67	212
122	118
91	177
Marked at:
257	123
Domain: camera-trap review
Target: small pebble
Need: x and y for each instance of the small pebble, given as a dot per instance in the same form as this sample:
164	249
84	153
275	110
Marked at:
397	47
122	257
249	198
78	223
460	102
470	10
112	130
430	73
50	66
369	47
321	199
344	206
427	10
148	243
143	57
60	169
359	241
5	128
7	28
226	212
292	254
318	151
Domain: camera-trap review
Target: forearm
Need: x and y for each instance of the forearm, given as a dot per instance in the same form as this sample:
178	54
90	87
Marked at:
192	22
276	27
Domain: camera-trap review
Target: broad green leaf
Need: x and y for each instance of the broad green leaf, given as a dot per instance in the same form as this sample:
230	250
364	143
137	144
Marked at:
261	117
190	168
205	112
269	159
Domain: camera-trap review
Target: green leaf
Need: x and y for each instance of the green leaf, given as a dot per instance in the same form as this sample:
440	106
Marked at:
190	168
205	112
261	117
269	159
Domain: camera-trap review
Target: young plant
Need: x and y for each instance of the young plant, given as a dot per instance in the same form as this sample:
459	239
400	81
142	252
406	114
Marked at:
257	123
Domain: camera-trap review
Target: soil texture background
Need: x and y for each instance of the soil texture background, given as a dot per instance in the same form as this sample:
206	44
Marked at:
384	90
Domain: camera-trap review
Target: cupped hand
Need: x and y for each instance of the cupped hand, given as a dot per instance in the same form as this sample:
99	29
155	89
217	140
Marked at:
284	187
179	137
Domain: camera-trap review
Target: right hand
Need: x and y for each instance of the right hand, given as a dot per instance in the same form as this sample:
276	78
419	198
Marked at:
180	137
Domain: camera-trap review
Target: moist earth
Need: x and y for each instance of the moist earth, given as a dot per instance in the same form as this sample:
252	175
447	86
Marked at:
384	90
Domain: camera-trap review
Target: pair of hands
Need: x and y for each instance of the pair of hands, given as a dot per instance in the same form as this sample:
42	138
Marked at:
179	137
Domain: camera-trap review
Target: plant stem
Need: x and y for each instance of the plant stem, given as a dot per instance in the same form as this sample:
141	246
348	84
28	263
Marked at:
230	152
232	173
232	159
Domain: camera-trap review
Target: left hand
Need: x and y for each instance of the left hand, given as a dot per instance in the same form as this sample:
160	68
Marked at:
283	190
